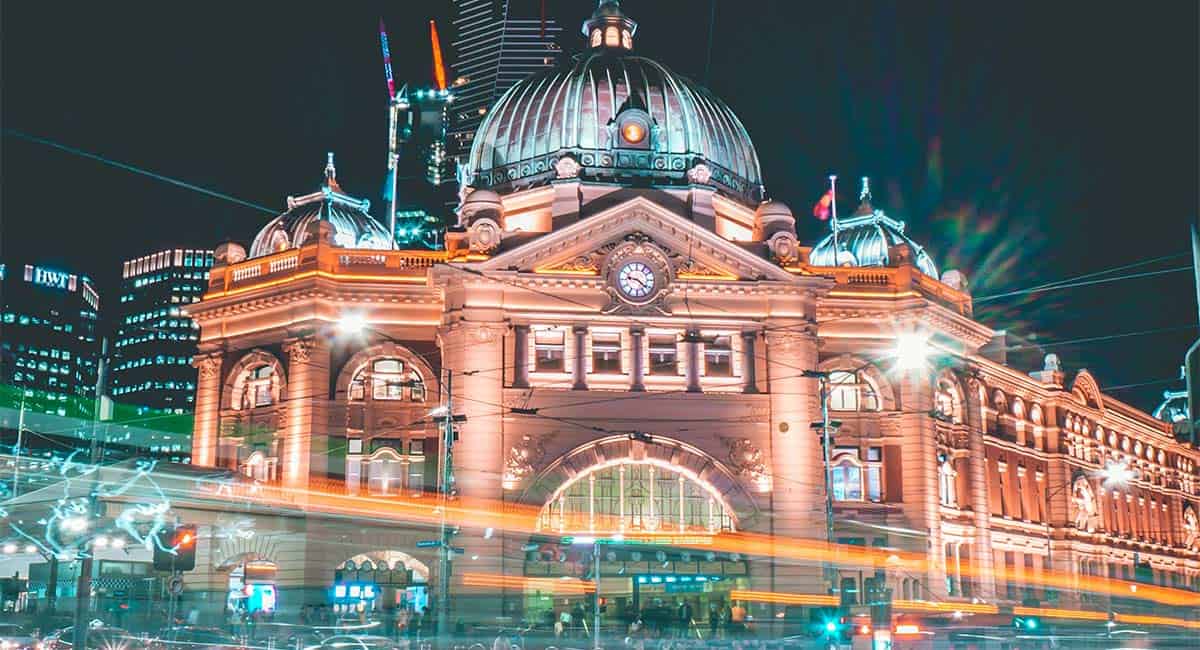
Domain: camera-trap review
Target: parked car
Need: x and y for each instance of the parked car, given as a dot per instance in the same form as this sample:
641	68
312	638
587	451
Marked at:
361	642
99	637
15	637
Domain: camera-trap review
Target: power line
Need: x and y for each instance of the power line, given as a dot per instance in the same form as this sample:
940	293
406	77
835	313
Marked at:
137	170
1082	283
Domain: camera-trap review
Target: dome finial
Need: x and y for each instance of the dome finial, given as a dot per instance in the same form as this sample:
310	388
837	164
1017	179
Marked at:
864	198
331	173
609	27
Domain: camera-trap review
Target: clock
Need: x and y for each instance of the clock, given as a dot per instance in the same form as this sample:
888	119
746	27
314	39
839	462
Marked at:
635	280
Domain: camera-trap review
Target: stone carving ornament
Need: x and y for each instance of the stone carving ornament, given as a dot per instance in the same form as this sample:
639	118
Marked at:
484	236
520	462
1083	505
750	462
1191	528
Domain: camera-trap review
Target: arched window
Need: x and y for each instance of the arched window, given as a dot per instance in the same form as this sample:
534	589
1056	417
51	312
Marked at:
596	38
259	467
636	496
852	479
389	382
852	392
947	483
259	387
626	39
612	37
385	473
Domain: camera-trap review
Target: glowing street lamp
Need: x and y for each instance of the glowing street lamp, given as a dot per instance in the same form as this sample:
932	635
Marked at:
30	548
1117	474
352	324
912	352
10	548
76	524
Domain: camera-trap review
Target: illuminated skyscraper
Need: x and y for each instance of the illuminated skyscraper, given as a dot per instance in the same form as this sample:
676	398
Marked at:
49	346
151	363
498	43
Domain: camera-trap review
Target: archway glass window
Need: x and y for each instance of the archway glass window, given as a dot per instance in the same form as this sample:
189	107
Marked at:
258	390
855	479
632	496
851	392
389	382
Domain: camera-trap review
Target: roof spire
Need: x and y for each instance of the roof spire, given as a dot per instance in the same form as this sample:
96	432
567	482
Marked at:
331	173
864	198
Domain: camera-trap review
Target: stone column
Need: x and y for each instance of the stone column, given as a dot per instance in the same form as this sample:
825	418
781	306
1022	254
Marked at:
919	461
637	343
473	354
305	435
749	362
977	497
580	332
797	468
693	361
208	409
520	356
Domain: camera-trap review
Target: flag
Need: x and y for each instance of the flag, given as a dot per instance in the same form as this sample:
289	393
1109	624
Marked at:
823	209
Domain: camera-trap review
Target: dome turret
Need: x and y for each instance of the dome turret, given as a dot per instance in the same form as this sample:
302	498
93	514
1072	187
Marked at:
868	239
352	226
611	116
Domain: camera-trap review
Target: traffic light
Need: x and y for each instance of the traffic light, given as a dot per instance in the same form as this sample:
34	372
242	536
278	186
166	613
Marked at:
175	548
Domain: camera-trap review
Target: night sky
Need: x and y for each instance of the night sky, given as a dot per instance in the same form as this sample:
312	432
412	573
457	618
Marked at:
1022	142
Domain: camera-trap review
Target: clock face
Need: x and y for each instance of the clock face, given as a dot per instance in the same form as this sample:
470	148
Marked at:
635	280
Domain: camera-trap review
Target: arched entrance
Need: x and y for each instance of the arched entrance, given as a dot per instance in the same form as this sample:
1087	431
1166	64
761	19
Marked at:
646	517
250	588
386	585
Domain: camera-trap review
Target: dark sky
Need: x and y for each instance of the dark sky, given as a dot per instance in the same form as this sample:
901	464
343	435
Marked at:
1022	142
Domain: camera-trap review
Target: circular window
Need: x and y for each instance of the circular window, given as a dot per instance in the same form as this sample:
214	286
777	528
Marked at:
633	132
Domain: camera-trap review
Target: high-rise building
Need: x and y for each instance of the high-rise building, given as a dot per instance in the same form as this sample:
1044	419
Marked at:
426	184
498	43
151	365
49	347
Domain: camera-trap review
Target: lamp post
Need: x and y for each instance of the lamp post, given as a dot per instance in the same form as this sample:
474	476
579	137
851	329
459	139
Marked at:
595	543
911	353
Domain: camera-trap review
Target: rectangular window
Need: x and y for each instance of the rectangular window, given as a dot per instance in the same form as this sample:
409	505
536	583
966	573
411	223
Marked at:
1024	515
1010	565
606	353
1003	498
718	357
664	355
549	346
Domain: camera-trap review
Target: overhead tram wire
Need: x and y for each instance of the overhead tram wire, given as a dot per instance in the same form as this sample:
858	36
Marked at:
137	170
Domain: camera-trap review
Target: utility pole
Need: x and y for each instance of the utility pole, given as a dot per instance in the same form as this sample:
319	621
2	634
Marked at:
827	450
446	479
16	486
596	595
83	583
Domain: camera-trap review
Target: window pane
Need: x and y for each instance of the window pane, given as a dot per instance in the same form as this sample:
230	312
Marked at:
663	355
853	484
874	484
388	365
606	352
718	357
549	348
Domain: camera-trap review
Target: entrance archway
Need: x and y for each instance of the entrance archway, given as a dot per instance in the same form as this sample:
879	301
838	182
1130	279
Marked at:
380	582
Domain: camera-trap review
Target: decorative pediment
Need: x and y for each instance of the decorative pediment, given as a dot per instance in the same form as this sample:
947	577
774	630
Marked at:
581	248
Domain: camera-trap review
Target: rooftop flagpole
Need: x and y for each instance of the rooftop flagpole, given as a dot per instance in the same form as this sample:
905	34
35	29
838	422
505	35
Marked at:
834	222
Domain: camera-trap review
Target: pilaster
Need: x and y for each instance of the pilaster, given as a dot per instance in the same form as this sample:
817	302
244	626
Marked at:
208	408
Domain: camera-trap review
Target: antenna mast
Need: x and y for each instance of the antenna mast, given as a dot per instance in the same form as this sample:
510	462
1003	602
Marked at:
393	117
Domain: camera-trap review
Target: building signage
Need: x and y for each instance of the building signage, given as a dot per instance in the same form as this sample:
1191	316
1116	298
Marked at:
49	278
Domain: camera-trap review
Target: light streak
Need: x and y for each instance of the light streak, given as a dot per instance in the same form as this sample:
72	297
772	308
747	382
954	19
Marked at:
439	70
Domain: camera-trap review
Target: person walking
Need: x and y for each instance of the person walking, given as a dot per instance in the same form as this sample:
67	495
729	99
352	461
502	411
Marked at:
683	618
714	620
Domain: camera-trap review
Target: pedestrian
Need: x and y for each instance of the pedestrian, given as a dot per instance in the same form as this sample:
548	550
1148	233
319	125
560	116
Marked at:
714	619
684	618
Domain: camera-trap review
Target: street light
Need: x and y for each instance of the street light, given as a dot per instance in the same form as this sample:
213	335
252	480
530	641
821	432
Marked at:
1117	474
911	353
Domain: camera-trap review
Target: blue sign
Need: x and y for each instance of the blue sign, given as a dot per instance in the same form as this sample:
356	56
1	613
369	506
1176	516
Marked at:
429	543
51	278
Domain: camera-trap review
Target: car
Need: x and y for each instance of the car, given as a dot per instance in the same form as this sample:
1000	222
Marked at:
15	637
361	642
99	637
191	637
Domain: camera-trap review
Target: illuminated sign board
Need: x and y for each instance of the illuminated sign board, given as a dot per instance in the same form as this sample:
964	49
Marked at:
50	278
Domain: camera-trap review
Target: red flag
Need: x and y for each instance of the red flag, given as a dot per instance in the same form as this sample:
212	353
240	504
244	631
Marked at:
822	209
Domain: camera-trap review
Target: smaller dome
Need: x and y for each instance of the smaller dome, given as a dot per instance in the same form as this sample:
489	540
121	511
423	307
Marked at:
866	238
352	226
1174	407
774	210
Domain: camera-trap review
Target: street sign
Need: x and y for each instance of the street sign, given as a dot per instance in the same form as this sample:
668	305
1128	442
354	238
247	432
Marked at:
530	547
458	550
429	543
175	586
